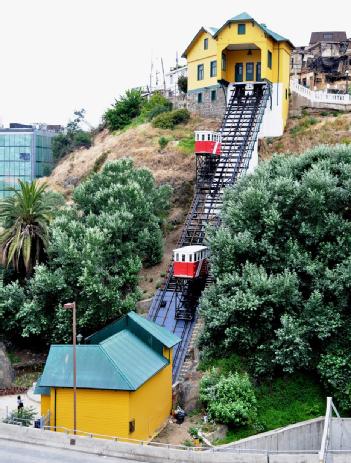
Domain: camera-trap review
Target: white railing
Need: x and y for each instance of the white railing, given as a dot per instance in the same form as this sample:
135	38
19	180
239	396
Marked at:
319	96
326	430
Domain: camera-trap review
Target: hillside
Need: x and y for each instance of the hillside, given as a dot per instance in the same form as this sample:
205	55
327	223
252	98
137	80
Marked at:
176	165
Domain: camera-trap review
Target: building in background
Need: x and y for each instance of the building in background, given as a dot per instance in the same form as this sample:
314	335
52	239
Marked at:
325	63
25	153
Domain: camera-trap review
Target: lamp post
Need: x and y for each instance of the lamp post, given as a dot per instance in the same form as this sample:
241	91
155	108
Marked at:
72	306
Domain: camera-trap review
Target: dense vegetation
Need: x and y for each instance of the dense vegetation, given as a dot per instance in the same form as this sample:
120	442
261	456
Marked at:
133	107
95	251
282	261
73	138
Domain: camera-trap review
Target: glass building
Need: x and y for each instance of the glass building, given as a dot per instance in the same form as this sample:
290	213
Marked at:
25	153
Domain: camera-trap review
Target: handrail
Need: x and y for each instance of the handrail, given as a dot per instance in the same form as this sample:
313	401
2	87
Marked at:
319	96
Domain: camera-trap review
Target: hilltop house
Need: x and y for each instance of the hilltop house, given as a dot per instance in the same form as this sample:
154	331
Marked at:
241	50
124	381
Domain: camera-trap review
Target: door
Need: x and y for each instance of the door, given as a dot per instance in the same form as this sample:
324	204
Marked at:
239	68
258	72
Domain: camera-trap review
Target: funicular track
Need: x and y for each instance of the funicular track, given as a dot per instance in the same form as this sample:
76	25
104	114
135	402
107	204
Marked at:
175	303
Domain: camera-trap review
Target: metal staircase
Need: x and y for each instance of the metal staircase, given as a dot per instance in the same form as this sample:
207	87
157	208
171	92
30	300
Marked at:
175	303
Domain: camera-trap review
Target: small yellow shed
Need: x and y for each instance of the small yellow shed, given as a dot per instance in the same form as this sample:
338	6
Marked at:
124	380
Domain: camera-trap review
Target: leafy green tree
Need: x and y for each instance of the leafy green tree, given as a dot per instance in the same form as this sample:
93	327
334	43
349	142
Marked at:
228	399
183	84
25	216
282	264
156	105
96	250
73	138
124	110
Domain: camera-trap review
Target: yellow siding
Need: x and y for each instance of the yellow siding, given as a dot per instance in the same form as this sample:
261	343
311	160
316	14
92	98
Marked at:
241	56
44	405
198	55
98	411
151	404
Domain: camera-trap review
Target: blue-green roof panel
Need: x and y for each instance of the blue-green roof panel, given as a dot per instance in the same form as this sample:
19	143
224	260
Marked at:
39	389
242	17
167	338
135	360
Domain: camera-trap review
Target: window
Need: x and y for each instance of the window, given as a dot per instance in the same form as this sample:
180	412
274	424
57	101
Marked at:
131	426
190	257
199	100
213	69
224	62
269	59
177	257
205	44
213	95
183	257
286	93
249	71
200	72
241	29
328	36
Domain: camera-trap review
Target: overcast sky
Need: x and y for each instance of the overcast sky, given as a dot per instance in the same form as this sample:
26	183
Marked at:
58	56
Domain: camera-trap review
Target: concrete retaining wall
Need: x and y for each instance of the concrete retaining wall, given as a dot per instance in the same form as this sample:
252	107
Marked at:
306	435
340	434
299	101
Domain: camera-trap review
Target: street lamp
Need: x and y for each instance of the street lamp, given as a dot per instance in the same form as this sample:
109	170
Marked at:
79	338
72	306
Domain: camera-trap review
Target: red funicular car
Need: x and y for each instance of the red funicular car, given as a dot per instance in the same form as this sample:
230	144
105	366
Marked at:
207	142
190	261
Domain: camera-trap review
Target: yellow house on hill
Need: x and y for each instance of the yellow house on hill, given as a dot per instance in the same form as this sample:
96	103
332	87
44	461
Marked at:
242	50
124	381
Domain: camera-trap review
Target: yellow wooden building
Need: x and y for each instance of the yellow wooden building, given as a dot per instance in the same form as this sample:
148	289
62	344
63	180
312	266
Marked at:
242	50
124	381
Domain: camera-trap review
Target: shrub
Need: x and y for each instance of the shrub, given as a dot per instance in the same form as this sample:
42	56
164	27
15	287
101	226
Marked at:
163	142
23	417
281	260
183	84
157	104
170	119
228	399
124	110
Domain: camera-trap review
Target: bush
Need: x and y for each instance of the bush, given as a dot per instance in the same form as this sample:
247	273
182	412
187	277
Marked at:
124	110
281	260
183	84
157	104
23	417
228	399
163	142
170	119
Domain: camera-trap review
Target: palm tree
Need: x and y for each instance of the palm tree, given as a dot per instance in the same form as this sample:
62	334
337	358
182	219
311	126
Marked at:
25	216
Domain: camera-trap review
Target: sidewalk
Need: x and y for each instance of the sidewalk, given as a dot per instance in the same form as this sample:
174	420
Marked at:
9	402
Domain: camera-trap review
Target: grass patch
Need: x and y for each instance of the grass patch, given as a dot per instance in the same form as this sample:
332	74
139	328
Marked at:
14	358
187	145
303	125
281	402
26	379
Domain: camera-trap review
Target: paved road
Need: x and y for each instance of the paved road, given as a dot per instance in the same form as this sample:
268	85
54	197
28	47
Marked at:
14	452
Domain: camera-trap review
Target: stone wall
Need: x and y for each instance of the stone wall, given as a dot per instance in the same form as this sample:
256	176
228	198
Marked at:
207	108
6	372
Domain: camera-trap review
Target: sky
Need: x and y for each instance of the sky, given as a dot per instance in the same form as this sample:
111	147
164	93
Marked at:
60	56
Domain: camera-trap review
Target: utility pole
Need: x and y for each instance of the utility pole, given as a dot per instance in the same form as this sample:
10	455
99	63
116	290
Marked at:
72	306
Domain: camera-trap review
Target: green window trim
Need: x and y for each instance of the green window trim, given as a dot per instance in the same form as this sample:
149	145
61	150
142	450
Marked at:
199	97
213	95
213	69
224	62
241	29
250	71
206	44
200	72
269	59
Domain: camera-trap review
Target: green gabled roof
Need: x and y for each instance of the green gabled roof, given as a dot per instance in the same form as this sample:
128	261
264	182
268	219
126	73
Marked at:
120	357
165	337
39	389
210	30
242	17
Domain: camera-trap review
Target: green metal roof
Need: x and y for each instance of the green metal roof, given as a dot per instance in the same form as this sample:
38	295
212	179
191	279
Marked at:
120	361
242	17
39	389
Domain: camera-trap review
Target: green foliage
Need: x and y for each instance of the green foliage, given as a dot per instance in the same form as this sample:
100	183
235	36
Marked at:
163	142
96	250
229	399
23	417
302	126
187	145
25	216
99	162
183	84
124	110
282	261
170	119
157	104
74	138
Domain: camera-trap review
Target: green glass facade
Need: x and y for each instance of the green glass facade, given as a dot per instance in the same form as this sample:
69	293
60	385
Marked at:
24	154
